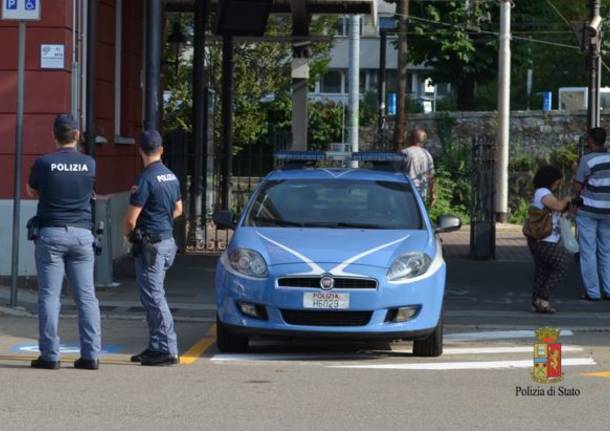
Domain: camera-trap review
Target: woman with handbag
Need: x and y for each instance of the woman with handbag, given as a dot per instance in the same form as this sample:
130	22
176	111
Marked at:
543	237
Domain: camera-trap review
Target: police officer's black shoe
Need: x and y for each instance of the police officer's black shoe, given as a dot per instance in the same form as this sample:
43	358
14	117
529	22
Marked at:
87	364
158	359
141	355
45	365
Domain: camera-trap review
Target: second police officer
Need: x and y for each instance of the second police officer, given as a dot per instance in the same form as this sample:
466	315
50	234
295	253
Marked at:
154	204
63	182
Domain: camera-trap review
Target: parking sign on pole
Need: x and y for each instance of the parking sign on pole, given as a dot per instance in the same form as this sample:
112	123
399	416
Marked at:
22	11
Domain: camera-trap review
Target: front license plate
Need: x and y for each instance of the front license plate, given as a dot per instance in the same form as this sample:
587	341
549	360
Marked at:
326	300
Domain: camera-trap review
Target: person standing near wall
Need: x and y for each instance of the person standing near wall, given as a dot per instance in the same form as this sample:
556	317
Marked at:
593	216
419	166
154	204
63	182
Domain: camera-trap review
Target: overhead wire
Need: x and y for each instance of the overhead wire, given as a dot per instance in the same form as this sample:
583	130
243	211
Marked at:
494	33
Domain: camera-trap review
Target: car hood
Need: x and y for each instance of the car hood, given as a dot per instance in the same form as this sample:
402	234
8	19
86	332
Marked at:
332	250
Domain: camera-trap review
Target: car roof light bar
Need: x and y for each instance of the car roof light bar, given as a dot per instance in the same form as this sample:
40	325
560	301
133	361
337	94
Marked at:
377	156
365	156
297	156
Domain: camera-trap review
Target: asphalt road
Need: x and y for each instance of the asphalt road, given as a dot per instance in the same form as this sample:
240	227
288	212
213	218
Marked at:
303	386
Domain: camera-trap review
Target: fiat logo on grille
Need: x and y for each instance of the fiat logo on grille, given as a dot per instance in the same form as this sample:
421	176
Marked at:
327	282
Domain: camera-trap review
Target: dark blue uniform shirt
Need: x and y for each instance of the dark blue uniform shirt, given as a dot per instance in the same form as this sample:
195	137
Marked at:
64	180
157	190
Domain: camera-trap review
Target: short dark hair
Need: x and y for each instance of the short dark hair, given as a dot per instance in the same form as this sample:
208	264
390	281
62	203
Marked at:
598	135
546	176
65	128
150	142
65	136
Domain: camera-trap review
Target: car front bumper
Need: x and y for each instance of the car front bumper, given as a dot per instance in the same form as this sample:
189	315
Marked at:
426	294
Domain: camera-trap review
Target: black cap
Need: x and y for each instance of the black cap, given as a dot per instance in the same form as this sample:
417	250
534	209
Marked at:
65	123
150	140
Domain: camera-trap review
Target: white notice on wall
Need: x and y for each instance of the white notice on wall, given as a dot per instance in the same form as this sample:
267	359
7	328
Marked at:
51	56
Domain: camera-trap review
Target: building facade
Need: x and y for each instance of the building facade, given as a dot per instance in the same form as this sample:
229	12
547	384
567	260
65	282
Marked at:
50	91
60	86
333	85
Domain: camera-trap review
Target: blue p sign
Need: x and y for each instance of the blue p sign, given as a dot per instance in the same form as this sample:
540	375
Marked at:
11	4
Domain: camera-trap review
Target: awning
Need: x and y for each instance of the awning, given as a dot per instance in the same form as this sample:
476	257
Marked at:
314	7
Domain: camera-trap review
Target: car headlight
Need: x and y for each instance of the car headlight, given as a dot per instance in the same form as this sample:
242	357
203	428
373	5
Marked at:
409	265
248	262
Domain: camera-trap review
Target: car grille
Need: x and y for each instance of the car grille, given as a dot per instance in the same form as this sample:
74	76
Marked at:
340	282
326	318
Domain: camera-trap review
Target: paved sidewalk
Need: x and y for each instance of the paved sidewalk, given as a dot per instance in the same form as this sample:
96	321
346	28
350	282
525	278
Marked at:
511	245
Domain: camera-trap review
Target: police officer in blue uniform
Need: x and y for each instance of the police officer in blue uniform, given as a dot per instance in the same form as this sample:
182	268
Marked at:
63	182
154	204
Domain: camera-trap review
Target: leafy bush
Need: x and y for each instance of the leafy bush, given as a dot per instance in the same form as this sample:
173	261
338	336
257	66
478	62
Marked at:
519	213
453	174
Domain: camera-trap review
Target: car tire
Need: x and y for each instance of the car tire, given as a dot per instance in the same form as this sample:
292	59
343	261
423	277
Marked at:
227	342
432	345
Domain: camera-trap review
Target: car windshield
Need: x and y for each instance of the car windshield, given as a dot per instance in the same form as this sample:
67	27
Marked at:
335	204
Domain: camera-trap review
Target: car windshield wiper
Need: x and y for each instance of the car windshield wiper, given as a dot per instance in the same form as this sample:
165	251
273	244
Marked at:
361	225
277	222
334	225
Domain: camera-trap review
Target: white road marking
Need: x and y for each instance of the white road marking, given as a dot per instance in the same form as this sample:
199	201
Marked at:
474	365
254	357
492	350
498	335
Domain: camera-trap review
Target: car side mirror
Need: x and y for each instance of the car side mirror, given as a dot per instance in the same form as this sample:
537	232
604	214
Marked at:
224	220
447	223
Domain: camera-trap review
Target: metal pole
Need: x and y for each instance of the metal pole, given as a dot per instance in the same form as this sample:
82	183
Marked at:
75	65
354	80
153	64
227	118
199	121
18	162
381	85
594	60
502	153
91	76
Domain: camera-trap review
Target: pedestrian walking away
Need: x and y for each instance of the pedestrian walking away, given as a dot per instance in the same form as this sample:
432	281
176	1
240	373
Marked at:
419	166
550	256
593	216
154	204
63	182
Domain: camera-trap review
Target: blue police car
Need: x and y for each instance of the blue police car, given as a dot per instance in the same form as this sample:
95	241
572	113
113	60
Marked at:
333	252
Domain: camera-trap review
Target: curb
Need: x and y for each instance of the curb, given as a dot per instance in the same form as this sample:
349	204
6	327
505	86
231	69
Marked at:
15	312
20	312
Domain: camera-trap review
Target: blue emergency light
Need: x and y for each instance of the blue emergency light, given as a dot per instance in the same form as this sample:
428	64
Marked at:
300	156
334	156
377	156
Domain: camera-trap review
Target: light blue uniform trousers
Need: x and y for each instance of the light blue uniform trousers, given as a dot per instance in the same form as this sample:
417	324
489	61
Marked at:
67	251
151	279
594	245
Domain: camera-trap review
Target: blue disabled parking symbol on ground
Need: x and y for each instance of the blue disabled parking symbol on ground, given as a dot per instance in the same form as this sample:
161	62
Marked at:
64	348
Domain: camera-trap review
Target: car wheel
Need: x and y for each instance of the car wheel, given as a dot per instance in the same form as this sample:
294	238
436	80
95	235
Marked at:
432	345
227	342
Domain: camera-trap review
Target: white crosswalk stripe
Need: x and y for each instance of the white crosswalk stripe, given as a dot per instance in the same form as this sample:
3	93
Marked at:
472	365
515	351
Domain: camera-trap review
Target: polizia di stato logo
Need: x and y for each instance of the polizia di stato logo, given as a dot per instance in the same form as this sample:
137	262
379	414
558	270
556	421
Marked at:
547	356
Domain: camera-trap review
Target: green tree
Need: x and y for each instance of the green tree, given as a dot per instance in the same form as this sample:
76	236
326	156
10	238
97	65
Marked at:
449	37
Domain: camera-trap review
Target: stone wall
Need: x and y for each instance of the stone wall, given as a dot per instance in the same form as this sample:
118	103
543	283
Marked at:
531	132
